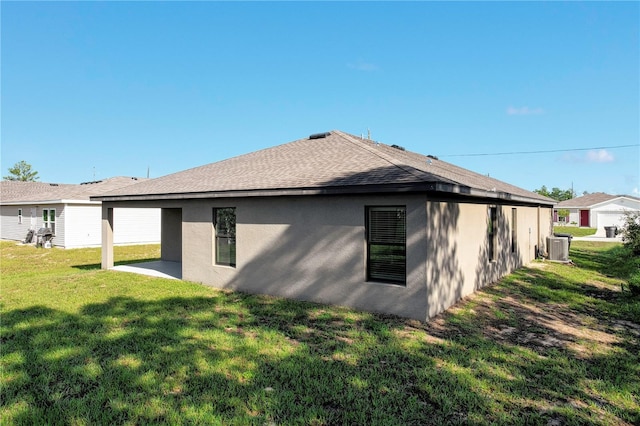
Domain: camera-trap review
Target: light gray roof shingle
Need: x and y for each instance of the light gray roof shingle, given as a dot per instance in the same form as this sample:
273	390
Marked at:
339	160
17	191
589	200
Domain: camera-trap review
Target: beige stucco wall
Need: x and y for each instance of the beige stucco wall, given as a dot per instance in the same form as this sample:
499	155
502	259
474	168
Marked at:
314	248
458	260
310	248
171	234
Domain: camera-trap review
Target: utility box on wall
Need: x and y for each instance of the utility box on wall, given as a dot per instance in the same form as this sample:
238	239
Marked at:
558	248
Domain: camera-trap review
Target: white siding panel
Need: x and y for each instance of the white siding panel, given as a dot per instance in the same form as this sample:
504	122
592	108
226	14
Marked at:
82	226
574	217
10	228
79	225
136	225
31	219
59	237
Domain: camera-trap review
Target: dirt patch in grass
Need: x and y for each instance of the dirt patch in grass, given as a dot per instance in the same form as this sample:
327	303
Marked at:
540	326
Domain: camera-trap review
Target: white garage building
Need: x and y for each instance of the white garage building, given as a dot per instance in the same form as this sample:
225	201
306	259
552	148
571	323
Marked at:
598	210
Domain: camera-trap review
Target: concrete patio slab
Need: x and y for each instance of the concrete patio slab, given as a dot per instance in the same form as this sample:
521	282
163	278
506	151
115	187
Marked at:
159	268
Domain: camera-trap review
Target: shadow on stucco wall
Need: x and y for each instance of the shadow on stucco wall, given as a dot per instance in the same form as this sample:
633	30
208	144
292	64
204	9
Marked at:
321	257
508	256
445	279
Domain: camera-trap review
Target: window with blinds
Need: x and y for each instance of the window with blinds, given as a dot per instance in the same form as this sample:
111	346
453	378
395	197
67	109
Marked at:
387	244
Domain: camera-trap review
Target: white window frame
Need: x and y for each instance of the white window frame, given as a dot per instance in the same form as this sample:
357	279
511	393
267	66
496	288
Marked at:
47	223
19	216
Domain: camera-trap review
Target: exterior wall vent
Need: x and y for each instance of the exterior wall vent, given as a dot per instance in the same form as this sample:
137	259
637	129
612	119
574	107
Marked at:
319	135
558	248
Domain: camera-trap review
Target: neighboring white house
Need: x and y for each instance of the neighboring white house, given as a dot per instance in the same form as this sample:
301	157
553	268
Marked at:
597	210
67	211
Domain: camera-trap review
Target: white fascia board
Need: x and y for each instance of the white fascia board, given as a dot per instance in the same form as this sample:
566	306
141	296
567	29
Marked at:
49	202
613	200
97	203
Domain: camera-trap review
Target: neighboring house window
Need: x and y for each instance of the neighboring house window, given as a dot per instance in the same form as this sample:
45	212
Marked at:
19	216
514	229
224	223
49	219
386	244
492	232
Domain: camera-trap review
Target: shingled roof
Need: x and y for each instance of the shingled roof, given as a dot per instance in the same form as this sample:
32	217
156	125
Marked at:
333	162
15	192
590	200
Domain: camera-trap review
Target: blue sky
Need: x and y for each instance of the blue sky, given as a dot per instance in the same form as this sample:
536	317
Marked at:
117	88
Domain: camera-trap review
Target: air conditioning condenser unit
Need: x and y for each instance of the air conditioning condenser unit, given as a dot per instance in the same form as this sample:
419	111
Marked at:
558	248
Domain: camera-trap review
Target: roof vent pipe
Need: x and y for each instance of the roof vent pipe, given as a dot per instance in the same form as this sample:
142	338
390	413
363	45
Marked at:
319	135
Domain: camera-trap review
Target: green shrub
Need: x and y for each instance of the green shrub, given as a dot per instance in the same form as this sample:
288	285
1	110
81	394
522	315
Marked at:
634	283
631	232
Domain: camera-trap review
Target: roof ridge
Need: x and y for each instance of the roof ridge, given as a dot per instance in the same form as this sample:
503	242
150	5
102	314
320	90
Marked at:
411	170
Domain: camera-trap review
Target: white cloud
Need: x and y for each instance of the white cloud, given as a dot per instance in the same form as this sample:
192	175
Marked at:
361	65
592	156
524	111
635	192
599	156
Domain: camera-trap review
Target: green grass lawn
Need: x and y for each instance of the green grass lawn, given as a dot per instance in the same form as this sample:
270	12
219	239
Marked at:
574	230
550	344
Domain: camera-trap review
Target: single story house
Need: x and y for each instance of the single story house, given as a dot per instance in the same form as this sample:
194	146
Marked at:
337	219
597	210
73	218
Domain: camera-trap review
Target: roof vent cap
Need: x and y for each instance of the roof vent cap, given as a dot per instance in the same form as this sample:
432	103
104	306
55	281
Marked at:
319	135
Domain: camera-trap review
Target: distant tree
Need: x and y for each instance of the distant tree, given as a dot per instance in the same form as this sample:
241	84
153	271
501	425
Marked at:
401	148
542	191
563	213
22	171
561	195
555	193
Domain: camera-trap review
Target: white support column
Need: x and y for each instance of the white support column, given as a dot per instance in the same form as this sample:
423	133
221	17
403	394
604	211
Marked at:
107	237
